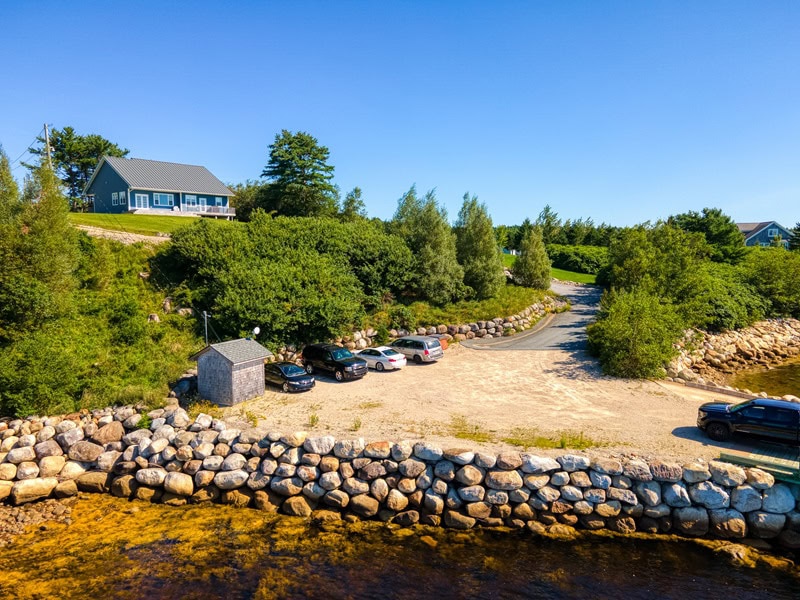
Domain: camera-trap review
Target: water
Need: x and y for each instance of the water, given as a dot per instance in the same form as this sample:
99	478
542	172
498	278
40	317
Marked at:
778	381
116	549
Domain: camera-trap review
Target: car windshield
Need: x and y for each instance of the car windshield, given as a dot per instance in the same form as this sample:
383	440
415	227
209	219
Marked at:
740	406
341	354
390	352
292	370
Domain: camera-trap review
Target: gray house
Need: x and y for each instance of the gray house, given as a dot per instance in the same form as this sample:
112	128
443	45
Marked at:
762	234
231	372
121	185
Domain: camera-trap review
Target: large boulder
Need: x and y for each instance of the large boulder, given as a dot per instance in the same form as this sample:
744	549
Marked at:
30	490
179	484
112	432
728	523
710	495
691	520
84	451
778	499
765	525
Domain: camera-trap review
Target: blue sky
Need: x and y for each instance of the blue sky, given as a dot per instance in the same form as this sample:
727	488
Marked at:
618	111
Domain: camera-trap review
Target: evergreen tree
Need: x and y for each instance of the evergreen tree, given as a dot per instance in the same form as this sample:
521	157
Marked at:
721	233
549	224
9	190
794	241
75	158
532	267
353	207
300	178
423	225
477	249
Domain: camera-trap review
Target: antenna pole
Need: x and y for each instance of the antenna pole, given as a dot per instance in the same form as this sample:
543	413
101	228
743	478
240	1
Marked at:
205	325
47	146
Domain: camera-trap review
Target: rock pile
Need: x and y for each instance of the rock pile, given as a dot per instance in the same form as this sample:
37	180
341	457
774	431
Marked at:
178	460
497	327
713	356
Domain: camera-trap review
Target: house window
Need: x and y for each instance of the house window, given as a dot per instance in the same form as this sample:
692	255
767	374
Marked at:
122	197
191	200
203	203
163	199
141	201
771	233
114	201
218	201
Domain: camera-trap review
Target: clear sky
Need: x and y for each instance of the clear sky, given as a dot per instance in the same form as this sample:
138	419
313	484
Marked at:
618	111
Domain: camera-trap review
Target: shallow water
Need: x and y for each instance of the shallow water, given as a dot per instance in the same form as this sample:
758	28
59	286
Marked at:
117	549
778	381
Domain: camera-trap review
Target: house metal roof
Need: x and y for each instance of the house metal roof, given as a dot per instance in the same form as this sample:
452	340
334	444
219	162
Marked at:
751	229
154	175
238	351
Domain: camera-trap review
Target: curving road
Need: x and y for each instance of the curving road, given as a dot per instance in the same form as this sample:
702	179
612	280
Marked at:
563	331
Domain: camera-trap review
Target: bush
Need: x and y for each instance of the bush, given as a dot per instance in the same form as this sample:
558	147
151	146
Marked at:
578	259
633	334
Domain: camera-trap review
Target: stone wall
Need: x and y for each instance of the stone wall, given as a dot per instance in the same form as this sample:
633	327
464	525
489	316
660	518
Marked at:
178	460
708	358
497	327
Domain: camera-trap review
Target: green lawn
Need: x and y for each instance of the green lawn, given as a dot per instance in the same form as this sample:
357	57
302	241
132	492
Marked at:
141	224
508	260
570	276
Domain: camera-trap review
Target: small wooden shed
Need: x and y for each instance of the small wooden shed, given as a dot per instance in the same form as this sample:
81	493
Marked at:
231	372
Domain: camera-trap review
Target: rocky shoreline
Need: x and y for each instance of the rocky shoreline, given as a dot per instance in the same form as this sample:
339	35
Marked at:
177	460
710	359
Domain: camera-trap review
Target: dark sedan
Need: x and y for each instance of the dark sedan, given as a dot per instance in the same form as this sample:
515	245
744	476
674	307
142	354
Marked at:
288	376
763	417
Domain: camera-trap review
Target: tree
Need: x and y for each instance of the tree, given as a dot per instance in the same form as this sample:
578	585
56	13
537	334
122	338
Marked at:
721	233
300	177
75	158
245	198
9	190
477	250
532	267
549	224
353	208
423	225
794	241
633	334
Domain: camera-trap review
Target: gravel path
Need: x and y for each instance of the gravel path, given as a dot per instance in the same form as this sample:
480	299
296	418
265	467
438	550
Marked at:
122	236
477	399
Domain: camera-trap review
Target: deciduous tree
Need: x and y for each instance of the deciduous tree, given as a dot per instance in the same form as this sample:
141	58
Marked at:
353	207
721	233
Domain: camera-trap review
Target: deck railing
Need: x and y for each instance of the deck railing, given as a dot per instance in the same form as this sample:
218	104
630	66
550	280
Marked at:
227	211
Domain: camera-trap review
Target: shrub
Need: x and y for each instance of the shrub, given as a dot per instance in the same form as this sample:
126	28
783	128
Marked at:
578	259
633	334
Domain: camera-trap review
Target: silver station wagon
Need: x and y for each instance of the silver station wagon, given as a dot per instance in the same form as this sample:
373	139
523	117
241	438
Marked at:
419	348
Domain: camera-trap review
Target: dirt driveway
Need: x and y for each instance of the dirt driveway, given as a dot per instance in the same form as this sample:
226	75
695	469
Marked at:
478	399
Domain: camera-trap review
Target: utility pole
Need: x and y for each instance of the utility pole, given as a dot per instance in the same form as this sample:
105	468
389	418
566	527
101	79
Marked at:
47	146
205	325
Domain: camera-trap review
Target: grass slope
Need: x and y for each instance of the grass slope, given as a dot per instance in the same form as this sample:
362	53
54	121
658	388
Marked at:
141	224
508	262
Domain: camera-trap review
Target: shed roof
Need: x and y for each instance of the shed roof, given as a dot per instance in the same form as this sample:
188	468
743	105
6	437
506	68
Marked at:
238	351
155	175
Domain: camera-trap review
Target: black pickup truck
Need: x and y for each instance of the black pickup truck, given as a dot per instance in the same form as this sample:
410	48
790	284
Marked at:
763	417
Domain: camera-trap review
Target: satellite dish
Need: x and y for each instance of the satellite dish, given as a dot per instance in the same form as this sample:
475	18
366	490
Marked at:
256	330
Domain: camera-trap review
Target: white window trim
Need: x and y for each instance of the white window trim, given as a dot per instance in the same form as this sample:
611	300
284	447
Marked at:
114	199
157	197
773	232
218	200
140	197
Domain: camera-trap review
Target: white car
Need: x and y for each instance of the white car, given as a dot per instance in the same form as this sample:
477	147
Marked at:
382	358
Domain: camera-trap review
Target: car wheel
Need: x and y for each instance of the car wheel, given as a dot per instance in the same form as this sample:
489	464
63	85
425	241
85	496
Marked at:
339	375
309	368
719	432
418	359
379	366
285	387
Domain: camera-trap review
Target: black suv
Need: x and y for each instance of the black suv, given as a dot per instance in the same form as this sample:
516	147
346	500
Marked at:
765	417
329	357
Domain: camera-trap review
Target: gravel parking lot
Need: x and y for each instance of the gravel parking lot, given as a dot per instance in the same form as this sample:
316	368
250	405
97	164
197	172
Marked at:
477	399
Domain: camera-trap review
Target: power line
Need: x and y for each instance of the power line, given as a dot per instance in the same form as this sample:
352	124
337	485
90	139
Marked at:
28	148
